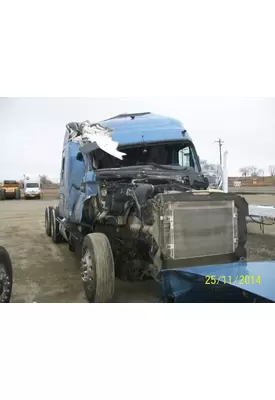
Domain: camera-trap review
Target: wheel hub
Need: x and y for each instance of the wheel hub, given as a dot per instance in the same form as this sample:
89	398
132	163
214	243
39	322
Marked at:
87	270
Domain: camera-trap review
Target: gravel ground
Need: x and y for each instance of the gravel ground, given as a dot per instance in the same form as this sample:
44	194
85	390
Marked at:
45	272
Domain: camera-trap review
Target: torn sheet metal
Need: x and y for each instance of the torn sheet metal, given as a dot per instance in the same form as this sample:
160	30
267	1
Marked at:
98	135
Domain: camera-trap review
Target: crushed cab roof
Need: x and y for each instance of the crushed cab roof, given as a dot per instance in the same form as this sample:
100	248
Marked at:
133	129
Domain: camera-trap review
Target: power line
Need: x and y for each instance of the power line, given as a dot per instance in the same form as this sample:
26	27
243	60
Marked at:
220	143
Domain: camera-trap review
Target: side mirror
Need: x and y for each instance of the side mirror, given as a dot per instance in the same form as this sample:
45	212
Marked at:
79	156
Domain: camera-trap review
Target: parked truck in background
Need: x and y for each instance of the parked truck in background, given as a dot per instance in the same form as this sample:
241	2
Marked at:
10	189
32	187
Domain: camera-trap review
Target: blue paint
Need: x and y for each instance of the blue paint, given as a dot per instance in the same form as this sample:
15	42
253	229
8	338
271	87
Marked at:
147	128
174	280
91	187
74	172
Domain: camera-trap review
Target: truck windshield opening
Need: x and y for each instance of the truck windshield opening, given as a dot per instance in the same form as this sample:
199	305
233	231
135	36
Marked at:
175	154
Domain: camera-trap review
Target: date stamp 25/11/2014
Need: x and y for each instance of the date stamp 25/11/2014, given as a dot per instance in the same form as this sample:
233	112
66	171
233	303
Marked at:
227	279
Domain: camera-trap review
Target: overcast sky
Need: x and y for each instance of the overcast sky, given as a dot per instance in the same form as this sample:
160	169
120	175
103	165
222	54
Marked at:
32	129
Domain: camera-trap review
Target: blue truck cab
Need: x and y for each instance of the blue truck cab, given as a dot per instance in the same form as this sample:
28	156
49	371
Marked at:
133	202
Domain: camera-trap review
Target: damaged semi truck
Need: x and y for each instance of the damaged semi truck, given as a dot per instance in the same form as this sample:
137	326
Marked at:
134	202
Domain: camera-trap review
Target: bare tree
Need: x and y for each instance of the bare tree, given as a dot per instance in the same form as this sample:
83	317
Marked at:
271	170
245	171
255	172
209	168
261	172
204	165
251	171
44	180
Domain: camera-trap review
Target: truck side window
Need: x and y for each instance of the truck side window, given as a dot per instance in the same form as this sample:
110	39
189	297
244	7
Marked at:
187	158
184	157
62	169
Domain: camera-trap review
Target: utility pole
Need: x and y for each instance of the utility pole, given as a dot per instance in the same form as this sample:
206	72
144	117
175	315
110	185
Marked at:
220	143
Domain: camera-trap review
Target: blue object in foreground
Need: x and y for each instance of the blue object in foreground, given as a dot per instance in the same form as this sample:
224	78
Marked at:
225	283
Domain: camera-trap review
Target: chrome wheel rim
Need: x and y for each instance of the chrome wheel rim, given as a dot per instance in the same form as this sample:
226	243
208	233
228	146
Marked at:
88	272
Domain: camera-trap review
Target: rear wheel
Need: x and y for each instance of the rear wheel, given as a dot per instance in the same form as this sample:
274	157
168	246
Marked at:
55	233
2	194
17	194
48	216
97	268
5	276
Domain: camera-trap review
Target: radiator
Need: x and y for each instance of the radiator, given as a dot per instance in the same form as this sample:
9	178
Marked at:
200	228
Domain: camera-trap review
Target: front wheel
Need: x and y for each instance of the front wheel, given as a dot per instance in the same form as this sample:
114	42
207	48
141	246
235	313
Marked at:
97	268
5	276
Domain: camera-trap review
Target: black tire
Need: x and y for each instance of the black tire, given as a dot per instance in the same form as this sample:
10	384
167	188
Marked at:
5	276
48	216
17	194
99	280
55	234
2	194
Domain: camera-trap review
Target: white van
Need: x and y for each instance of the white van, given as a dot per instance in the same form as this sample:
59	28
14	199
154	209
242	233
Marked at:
32	187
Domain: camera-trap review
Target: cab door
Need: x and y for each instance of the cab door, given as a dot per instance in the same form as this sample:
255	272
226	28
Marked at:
62	190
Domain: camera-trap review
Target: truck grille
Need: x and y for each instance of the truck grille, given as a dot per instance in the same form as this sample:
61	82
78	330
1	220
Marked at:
200	228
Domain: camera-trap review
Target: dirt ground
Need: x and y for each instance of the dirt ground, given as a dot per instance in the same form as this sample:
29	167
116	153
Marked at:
43	271
49	273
